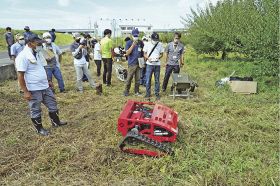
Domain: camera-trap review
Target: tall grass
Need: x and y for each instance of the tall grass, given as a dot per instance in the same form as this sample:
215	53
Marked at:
224	138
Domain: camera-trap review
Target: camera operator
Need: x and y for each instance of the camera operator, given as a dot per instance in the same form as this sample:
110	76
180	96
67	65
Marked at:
134	50
79	52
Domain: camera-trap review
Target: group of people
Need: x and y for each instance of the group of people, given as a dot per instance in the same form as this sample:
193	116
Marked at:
137	51
37	60
151	53
16	43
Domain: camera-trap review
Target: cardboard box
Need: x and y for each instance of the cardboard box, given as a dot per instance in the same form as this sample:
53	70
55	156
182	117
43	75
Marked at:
243	87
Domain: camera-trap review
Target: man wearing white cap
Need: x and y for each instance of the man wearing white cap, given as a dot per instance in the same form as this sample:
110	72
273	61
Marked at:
79	52
53	54
17	47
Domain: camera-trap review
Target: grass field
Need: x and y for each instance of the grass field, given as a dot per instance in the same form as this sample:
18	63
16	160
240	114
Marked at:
224	138
61	39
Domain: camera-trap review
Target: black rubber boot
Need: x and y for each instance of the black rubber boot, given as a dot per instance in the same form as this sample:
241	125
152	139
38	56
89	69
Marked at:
55	119
37	122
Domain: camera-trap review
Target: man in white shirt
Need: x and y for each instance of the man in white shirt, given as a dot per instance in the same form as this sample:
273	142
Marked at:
33	81
97	55
153	51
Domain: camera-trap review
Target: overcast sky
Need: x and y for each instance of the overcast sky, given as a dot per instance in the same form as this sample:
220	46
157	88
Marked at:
48	14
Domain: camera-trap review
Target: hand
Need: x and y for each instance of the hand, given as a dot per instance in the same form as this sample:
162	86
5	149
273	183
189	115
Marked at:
51	84
181	64
81	46
27	95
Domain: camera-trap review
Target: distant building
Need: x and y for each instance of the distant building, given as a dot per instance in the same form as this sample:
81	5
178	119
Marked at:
123	27
127	28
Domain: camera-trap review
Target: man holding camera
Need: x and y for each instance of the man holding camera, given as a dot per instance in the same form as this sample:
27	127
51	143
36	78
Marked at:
134	50
79	52
153	51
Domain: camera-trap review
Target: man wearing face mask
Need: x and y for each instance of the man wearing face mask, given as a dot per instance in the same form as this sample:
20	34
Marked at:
134	50
17	47
9	37
34	83
79	52
174	58
53	55
153	51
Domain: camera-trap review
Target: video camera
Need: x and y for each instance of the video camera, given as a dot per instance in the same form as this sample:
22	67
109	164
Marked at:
119	51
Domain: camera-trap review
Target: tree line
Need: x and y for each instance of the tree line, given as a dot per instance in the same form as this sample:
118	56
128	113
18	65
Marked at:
249	27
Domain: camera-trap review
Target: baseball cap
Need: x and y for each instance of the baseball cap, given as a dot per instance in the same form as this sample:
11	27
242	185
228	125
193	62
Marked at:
34	38
155	36
135	32
26	28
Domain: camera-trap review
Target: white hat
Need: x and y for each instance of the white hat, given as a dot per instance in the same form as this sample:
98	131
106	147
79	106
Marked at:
46	34
76	35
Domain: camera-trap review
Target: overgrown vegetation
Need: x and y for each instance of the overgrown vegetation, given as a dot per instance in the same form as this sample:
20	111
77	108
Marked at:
249	27
224	138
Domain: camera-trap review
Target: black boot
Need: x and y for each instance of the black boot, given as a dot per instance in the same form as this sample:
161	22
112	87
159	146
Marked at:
37	122
55	119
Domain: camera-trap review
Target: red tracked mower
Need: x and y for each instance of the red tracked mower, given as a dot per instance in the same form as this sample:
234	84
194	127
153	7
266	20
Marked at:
150	124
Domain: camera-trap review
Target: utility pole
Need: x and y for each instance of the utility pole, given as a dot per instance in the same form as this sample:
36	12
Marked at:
89	23
95	29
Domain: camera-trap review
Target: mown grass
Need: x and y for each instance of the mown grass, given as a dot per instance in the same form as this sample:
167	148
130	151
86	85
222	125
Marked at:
224	138
61	39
